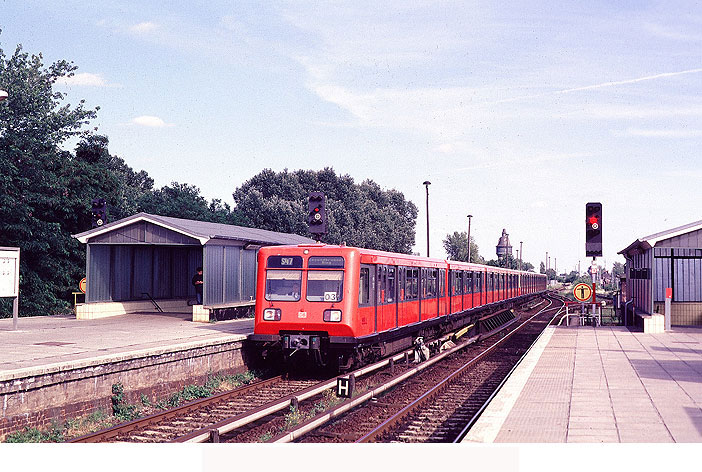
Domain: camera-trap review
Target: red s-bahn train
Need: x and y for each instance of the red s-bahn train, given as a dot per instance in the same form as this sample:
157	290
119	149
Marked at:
342	306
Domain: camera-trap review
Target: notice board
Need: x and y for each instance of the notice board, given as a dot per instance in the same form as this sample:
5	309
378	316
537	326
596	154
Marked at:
9	271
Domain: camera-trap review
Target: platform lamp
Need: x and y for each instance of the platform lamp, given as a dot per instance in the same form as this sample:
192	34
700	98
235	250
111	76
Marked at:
426	183
521	255
470	217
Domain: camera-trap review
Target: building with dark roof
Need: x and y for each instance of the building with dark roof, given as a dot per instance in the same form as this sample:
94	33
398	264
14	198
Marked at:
666	263
146	262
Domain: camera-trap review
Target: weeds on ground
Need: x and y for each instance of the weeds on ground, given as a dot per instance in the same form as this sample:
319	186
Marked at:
33	435
122	411
296	416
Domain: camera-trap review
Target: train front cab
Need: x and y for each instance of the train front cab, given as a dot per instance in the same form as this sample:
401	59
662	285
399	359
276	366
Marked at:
307	295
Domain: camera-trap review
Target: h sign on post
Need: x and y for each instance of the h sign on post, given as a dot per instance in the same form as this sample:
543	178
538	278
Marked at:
345	386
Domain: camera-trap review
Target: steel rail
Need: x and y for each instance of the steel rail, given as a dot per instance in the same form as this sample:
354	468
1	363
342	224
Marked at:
230	424
443	384
139	423
317	421
484	406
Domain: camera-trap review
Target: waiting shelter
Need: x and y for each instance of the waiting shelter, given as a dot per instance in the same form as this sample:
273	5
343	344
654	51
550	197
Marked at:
146	263
665	265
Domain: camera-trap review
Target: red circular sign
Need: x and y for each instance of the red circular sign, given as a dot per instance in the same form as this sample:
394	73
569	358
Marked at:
82	284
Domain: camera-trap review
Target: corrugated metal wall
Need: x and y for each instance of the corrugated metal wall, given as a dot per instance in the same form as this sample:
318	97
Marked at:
126	272
686	281
98	274
639	281
248	271
229	275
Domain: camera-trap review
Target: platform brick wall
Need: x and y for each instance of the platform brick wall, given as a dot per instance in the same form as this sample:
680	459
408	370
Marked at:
43	400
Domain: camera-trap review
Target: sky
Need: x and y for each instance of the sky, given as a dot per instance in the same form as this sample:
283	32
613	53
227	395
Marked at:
518	113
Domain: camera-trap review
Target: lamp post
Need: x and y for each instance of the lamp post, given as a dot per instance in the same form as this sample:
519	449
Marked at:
470	217
426	183
521	255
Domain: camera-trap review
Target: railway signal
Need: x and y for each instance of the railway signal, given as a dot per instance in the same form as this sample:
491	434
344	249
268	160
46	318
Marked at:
593	229
98	212
317	219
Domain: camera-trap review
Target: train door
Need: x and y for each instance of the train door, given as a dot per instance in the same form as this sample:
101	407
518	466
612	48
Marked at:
467	290
456	292
367	316
443	299
386	297
490	287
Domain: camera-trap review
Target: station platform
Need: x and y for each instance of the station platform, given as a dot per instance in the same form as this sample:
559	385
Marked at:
44	343
57	367
600	385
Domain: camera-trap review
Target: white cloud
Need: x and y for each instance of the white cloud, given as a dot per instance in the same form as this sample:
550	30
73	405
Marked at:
150	122
84	79
661	133
143	27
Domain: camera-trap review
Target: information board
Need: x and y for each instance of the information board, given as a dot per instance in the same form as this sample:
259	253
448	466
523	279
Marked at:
9	272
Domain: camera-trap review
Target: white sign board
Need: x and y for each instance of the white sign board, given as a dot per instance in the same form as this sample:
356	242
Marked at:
9	272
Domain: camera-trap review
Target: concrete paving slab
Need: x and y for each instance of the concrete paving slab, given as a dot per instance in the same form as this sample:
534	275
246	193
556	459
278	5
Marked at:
46	342
620	386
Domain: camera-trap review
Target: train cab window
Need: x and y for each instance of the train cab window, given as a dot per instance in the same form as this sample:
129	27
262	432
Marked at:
283	285
325	285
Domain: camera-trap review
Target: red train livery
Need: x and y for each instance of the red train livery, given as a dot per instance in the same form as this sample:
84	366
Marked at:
346	305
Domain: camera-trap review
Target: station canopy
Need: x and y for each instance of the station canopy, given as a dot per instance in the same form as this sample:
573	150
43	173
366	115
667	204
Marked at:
147	255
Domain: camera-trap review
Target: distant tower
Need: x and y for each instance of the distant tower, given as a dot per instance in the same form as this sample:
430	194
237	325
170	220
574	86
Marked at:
503	247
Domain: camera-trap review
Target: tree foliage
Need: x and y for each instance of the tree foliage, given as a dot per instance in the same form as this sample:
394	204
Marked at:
456	246
362	215
46	191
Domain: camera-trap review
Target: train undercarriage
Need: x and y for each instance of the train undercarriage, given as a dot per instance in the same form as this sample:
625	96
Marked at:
317	350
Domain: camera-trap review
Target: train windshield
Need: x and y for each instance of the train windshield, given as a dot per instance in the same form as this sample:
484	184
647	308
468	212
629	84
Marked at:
283	285
325	285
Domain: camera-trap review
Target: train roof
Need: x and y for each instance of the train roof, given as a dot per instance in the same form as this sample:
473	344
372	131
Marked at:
406	259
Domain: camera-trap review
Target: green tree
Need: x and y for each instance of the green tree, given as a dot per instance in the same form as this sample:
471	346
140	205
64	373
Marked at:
184	201
34	123
456	246
362	215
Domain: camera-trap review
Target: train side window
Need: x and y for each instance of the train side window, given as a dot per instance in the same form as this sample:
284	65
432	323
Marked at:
413	283
364	287
469	282
442	282
391	286
457	282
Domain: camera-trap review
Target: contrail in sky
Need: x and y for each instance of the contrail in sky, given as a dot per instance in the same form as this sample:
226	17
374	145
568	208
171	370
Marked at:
605	84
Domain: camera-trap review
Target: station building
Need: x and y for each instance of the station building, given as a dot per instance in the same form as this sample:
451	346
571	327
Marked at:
665	263
146	263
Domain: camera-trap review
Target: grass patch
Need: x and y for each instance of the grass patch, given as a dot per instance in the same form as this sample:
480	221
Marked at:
123	411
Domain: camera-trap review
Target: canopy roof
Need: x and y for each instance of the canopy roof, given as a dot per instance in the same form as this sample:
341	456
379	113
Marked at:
200	230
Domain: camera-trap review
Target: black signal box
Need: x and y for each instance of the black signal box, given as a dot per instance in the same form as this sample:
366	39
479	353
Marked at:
317	218
593	229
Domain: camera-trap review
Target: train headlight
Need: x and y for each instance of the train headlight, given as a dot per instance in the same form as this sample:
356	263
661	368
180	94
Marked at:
332	315
271	314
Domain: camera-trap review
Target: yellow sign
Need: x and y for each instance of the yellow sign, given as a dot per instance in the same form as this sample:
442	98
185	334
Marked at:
582	292
81	285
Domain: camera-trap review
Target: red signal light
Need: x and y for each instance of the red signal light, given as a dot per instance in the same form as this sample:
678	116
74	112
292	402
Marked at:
592	220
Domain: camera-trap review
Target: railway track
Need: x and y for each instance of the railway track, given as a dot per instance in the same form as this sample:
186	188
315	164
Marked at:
259	411
437	404
200	415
